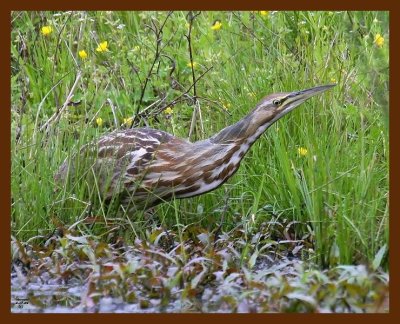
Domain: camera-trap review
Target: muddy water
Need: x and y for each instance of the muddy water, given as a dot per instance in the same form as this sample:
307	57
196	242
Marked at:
45	295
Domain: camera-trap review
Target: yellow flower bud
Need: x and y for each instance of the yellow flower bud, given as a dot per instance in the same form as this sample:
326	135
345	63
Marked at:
99	121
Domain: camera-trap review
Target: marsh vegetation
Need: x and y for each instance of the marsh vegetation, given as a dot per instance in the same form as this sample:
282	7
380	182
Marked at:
303	226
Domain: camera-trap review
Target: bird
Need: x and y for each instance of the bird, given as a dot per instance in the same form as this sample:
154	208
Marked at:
143	167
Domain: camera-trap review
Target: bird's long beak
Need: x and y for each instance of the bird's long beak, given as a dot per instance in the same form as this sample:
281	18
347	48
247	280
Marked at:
294	99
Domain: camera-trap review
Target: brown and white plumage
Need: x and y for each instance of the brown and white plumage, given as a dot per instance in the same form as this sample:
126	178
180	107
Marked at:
144	166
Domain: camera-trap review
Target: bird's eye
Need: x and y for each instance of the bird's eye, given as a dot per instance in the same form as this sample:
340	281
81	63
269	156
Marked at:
277	102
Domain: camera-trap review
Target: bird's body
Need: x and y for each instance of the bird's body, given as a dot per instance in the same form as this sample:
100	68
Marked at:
162	165
144	166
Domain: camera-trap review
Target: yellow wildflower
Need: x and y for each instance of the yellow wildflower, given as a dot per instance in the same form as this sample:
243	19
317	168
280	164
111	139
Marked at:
379	40
264	13
46	30
192	65
226	106
333	80
103	47
136	48
168	111
302	151
216	25
82	54
128	121
99	121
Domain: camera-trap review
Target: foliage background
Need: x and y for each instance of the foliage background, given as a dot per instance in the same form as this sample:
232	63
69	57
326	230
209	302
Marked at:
336	193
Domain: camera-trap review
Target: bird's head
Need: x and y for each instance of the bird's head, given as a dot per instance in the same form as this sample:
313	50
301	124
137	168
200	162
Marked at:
268	110
275	106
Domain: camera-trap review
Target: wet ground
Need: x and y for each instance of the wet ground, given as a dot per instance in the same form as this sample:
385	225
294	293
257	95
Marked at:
197	274
48	296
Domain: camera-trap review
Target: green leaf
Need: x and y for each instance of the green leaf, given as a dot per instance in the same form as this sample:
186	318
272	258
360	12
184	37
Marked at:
253	259
78	239
378	257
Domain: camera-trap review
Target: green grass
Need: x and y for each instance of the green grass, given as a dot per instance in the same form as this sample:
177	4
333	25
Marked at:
338	190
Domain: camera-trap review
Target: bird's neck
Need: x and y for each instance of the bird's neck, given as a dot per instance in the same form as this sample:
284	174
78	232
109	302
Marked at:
245	131
218	157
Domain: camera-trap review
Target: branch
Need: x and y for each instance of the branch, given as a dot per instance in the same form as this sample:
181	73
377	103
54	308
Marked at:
173	102
56	115
250	30
189	38
196	109
158	33
55	55
180	98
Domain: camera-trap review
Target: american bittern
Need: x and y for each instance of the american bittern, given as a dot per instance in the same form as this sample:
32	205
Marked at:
144	167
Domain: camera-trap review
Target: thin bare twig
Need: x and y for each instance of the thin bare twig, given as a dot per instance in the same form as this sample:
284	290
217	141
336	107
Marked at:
197	109
158	33
249	29
42	102
55	56
57	114
218	104
179	98
191	18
